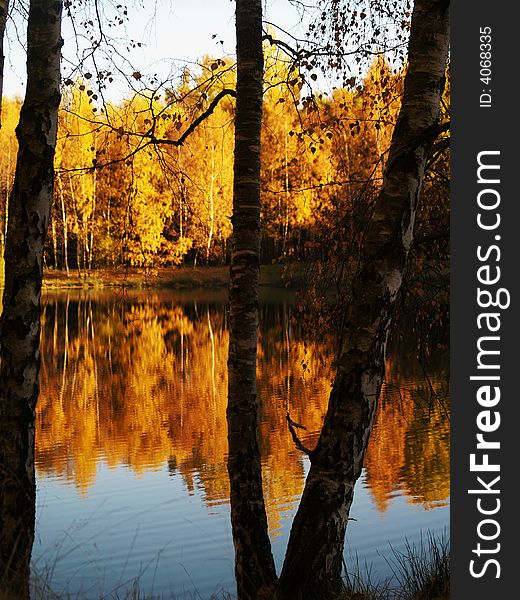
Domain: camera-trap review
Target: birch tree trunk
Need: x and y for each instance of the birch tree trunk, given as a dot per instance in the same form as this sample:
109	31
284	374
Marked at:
4	8
254	564
65	226
29	210
211	203
312	567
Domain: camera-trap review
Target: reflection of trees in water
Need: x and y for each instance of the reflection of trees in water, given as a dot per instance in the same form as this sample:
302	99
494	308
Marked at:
142	382
409	448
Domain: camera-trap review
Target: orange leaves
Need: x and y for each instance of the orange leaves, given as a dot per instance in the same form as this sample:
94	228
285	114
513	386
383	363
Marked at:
173	203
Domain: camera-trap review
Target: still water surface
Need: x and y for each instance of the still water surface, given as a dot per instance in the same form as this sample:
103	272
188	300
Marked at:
131	443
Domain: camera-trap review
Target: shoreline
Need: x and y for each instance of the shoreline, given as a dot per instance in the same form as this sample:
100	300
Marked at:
282	276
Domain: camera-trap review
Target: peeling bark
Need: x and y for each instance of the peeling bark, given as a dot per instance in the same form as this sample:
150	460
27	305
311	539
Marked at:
312	567
29	210
254	564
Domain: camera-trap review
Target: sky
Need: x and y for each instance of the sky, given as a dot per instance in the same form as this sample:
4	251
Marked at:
168	31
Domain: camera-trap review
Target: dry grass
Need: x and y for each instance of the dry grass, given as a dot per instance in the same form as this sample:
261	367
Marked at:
421	572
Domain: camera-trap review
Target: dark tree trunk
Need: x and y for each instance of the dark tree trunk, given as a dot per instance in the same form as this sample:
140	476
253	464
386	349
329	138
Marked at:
312	567
29	210
254	564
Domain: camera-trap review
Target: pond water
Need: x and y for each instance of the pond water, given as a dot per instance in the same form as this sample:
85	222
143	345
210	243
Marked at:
131	443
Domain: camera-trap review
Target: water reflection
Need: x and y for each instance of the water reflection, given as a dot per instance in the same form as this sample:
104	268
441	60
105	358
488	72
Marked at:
139	381
409	451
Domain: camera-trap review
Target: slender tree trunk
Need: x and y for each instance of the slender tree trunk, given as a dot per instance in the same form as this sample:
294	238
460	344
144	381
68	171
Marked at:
78	254
312	567
54	244
287	194
65	226
181	218
85	247
4	8
29	211
211	204
254	564
92	215
109	233
79	236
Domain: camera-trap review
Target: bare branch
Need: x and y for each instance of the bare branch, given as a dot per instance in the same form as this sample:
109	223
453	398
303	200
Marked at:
197	121
297	442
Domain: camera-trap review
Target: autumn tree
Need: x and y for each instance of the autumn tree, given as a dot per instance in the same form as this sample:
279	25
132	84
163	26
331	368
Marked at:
29	210
133	189
206	164
314	556
76	193
254	564
313	562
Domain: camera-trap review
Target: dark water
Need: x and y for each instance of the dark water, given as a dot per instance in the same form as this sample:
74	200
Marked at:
131	443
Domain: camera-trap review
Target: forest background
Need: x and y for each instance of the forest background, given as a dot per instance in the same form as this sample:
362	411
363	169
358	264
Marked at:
159	204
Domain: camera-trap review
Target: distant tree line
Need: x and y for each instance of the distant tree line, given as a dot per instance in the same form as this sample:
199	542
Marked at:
116	203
